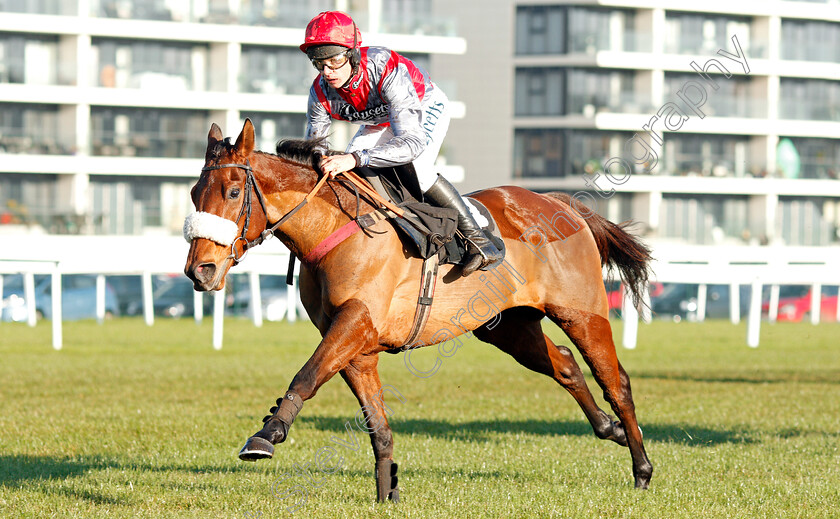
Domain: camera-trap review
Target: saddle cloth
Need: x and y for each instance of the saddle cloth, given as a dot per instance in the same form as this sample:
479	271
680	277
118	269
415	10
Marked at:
431	229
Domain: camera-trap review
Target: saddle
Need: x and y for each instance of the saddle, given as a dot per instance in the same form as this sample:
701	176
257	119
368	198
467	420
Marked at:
431	229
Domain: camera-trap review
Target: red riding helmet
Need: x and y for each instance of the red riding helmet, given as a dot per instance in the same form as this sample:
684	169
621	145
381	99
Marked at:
332	28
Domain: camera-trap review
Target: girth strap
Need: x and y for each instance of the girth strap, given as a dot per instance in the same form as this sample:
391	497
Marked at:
428	280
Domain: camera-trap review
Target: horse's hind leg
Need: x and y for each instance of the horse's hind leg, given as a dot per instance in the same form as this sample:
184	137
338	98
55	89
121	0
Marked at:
362	376
520	335
592	335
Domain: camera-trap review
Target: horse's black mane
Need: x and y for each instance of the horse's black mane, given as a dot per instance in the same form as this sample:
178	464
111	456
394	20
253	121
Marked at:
302	151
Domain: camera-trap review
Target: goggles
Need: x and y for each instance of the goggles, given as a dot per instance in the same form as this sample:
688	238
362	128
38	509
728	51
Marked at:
334	63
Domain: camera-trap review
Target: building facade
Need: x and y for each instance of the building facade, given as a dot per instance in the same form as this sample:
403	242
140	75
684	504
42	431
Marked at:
105	105
708	122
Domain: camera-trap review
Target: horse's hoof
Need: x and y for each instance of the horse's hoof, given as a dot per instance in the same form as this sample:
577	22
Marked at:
256	448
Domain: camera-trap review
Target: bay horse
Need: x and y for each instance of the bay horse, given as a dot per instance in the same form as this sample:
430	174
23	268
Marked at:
362	294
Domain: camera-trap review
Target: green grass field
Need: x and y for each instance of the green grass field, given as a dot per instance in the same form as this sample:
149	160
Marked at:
136	421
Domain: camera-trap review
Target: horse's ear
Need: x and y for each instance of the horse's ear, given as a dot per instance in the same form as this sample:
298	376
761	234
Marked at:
245	141
214	136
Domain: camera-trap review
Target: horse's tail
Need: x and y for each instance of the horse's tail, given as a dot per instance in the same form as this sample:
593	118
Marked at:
618	248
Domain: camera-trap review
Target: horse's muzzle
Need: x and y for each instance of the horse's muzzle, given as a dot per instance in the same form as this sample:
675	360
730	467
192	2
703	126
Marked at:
203	276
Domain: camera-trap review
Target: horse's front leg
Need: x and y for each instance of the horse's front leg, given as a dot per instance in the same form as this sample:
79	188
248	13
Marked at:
363	378
350	334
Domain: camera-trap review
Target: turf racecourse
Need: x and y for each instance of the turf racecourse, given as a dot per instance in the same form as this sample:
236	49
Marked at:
136	421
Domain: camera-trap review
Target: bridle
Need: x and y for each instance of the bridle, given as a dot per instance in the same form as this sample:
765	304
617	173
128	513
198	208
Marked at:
252	185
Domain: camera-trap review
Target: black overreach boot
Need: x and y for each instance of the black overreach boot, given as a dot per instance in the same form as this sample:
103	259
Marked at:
481	251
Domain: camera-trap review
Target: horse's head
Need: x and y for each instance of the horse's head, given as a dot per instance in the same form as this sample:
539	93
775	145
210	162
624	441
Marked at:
229	209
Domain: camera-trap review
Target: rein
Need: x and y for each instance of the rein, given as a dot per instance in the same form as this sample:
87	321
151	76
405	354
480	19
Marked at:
322	248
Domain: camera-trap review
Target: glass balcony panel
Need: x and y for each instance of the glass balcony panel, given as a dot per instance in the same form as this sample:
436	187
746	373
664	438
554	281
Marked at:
273	127
809	99
272	13
54	7
33	129
705	220
269	70
705	155
818	158
149	65
33	60
29	200
810	40
806	221
147	132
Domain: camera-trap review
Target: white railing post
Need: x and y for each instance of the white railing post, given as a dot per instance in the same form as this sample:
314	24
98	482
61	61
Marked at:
198	306
816	300
734	303
754	316
630	316
29	298
218	318
148	302
256	298
55	292
100	298
702	291
773	310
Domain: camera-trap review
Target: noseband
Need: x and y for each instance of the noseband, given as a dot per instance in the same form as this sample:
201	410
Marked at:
251	185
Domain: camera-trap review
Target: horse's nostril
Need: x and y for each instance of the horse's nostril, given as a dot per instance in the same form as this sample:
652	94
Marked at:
205	272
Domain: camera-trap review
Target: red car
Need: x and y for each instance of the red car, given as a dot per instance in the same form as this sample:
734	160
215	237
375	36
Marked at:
796	308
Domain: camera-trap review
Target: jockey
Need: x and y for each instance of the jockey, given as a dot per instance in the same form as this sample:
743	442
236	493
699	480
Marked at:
403	115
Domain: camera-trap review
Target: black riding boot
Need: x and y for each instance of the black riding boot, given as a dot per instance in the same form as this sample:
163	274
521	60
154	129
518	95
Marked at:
481	251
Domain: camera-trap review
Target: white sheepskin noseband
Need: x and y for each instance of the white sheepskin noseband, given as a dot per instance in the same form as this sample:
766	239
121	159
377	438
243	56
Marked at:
211	227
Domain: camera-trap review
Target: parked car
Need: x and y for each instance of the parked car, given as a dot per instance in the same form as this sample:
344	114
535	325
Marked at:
795	303
615	295
273	294
173	297
678	301
78	298
129	290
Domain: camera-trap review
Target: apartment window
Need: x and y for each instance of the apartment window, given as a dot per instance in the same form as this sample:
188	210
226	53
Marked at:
597	90
29	200
414	17
809	99
705	155
32	60
540	30
32	128
733	98
271	13
148	65
705	220
807	221
130	205
148	132
271	128
138	9
538	153
589	29
690	33
63	7
273	70
542	153
539	91
810	40
818	158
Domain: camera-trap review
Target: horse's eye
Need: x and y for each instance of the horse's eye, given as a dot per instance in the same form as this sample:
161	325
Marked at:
234	193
